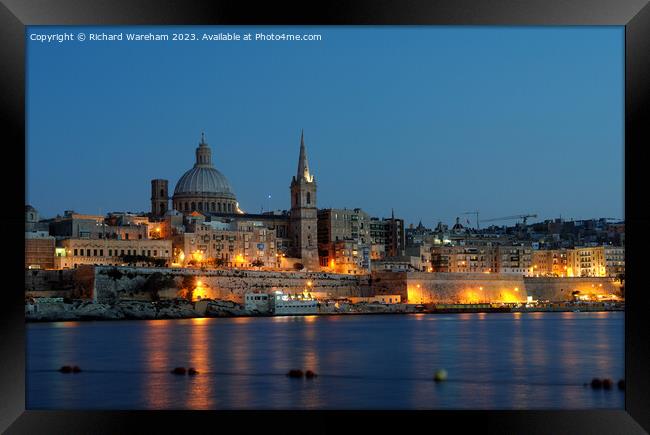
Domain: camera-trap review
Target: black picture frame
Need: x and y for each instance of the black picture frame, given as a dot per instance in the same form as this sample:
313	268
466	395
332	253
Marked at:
633	14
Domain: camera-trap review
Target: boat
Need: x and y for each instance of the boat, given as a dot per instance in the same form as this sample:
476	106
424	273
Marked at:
285	304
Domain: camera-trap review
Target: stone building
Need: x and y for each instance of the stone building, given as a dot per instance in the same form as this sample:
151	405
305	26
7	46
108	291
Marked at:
203	188
39	250
550	262
464	259
73	252
345	256
234	244
390	233
586	261
343	224
515	259
614	260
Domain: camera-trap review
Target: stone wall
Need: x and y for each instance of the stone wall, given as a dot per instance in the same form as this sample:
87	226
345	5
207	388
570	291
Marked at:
114	283
108	284
450	288
420	287
561	289
69	283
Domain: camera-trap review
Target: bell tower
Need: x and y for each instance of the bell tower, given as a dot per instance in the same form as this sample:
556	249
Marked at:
302	220
159	197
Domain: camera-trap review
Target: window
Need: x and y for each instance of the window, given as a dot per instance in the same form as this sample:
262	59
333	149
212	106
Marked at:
186	207
101	252
148	252
162	192
213	207
193	206
308	197
110	252
75	252
200	206
126	236
155	253
122	252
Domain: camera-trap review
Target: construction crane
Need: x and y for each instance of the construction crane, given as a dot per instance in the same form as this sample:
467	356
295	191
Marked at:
519	216
474	213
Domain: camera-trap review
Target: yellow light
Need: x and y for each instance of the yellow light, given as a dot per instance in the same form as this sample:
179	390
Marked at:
480	288
199	283
309	283
516	289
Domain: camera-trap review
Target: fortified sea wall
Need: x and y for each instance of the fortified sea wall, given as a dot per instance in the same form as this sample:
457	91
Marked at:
421	287
69	283
108	284
114	283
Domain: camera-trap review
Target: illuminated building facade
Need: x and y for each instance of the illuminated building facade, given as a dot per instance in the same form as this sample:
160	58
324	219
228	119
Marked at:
242	244
73	252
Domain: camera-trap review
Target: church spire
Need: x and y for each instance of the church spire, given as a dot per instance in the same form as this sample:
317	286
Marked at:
303	166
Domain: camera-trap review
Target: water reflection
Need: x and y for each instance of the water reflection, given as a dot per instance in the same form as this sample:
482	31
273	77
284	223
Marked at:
200	392
156	345
494	361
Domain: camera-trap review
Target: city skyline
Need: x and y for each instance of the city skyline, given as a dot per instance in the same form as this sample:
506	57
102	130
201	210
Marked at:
115	129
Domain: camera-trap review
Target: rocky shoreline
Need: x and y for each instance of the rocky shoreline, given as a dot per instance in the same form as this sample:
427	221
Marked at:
79	310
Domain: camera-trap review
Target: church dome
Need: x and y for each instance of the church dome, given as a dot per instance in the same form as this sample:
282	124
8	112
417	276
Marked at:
203	181
204	188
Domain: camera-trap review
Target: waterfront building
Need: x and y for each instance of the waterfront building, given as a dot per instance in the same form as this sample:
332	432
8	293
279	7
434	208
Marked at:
550	262
423	252
241	244
78	225
586	261
344	239
515	259
345	256
390	233
464	259
73	252
39	250
614	260
202	188
343	224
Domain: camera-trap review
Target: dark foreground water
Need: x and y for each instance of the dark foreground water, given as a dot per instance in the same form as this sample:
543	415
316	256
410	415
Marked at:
494	361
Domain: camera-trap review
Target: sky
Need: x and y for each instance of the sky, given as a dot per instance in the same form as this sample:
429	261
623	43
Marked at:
431	121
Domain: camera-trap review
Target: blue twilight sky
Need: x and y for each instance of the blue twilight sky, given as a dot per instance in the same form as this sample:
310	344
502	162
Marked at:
431	121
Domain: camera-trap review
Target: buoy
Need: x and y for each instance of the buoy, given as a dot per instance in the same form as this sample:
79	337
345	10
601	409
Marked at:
621	384
607	384
441	375
76	369
596	383
294	373
309	374
65	369
192	371
178	371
